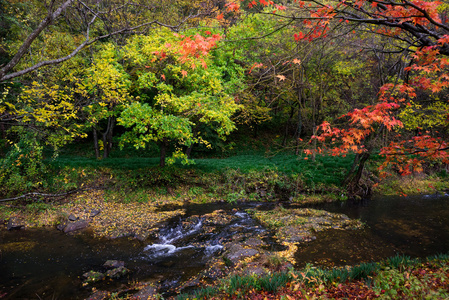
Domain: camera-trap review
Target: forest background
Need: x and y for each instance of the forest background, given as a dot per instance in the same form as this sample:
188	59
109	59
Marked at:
240	100
120	107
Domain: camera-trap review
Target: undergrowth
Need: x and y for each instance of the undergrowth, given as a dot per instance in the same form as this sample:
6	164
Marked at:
398	277
238	178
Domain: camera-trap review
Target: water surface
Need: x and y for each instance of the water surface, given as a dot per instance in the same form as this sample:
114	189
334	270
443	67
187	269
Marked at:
416	226
47	264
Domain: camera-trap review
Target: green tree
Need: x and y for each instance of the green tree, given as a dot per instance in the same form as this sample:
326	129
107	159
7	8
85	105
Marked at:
178	90
86	23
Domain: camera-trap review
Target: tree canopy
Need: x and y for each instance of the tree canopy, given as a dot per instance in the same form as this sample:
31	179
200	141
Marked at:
359	77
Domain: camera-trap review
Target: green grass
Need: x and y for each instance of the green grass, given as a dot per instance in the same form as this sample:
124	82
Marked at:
392	277
325	170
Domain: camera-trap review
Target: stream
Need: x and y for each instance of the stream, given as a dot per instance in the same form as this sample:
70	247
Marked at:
47	264
417	226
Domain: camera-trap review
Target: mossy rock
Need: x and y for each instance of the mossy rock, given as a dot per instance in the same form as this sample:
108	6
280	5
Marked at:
92	277
117	272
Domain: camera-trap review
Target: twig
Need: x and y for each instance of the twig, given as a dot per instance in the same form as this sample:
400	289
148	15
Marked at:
40	194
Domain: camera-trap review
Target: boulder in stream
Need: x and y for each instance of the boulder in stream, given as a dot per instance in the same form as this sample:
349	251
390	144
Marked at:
73	226
117	272
72	218
112	264
92	277
237	252
14	224
148	292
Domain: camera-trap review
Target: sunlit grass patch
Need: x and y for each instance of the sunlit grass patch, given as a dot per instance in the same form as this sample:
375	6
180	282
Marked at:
413	185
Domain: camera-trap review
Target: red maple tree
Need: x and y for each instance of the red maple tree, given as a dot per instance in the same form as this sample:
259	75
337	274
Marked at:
422	28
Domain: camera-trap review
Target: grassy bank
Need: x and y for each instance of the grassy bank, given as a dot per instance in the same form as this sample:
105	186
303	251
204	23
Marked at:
125	181
399	277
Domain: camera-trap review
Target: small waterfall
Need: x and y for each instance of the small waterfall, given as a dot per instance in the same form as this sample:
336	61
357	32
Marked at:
168	239
183	241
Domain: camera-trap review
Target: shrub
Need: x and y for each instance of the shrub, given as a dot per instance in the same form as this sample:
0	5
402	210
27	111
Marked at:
22	168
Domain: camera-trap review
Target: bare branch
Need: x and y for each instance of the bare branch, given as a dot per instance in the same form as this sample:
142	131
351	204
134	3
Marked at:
86	43
39	195
27	43
5	70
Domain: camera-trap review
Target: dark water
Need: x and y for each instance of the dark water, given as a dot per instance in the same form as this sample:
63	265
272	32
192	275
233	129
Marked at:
416	226
47	264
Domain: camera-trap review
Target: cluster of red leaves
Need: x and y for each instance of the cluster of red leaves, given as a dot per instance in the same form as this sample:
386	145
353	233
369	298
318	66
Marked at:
407	156
434	276
197	46
431	68
363	123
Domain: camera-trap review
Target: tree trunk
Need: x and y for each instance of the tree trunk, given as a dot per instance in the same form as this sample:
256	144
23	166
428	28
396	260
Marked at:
284	141
107	137
352	181
189	151
163	146
299	124
97	150
255	131
298	131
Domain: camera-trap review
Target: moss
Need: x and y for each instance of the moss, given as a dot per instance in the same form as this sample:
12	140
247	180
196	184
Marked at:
412	185
17	246
299	225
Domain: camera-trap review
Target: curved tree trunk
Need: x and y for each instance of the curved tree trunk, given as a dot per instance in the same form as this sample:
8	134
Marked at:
352	181
189	151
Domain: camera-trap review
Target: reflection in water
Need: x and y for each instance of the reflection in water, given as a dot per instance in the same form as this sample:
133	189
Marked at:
417	226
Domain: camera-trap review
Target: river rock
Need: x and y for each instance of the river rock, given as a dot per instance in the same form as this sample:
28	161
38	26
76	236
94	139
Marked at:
14	224
147	293
117	272
73	218
218	217
93	276
112	264
94	212
237	252
81	224
255	242
99	295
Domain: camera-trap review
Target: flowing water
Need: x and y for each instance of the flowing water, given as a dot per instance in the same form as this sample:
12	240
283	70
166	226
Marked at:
47	264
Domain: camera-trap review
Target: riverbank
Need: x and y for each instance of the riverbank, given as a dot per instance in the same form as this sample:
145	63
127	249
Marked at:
289	230
127	189
399	277
136	203
118	203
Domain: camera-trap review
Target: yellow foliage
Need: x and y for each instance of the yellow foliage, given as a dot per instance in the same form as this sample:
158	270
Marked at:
417	116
